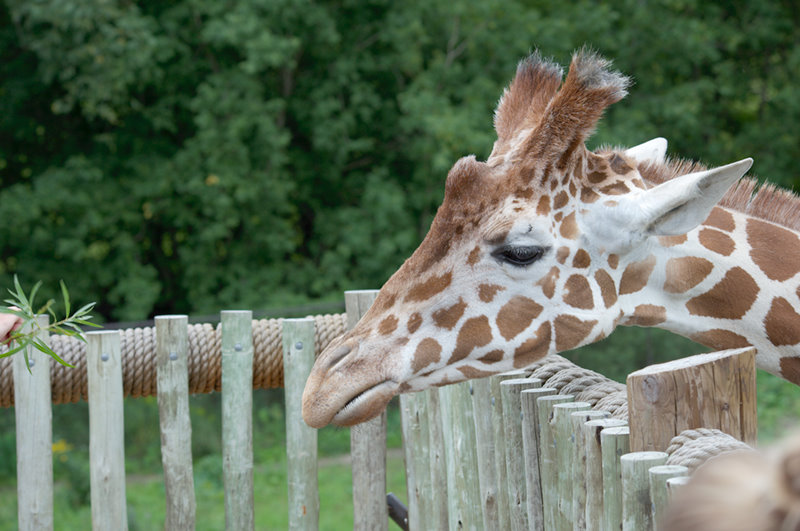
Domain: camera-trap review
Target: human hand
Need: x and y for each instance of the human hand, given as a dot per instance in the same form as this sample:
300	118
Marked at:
8	323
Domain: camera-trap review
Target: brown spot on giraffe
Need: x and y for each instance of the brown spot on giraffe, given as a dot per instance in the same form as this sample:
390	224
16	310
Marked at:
428	351
486	292
578	292
618	164
613	260
721	219
581	259
560	200
573	190
401	341
571	331
720	339
685	273
388	325
775	250
534	348
492	357
647	315
474	333
516	315
617	188
474	256
782	323
427	289
543	206
730	298
588	195
607	288
790	369
636	275
414	322
448	317
471	372
558	216
385	301
548	282
569	227
596	177
717	241
561	254
672	241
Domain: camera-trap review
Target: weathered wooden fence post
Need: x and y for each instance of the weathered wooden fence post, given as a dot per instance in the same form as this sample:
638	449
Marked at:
579	464
106	431
515	452
483	409
548	463
658	489
237	418
176	426
463	485
714	390
417	454
614	443
594	470
301	441
637	512
367	444
532	445
564	453
34	421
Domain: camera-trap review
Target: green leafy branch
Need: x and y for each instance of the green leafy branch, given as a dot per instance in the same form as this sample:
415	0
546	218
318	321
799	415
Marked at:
22	306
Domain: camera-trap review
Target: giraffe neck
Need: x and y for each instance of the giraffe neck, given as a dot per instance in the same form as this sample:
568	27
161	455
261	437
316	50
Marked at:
732	282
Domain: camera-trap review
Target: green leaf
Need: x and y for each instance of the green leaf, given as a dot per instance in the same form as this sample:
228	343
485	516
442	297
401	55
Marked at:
65	293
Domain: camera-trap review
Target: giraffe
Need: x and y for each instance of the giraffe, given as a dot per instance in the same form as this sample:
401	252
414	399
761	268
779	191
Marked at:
547	246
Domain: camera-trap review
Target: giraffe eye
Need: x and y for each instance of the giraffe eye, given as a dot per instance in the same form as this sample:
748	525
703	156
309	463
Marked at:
521	256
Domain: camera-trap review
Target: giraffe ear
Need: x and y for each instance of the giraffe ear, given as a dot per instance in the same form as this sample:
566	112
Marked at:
651	151
680	204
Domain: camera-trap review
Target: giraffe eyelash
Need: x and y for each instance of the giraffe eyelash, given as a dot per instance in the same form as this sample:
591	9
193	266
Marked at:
519	255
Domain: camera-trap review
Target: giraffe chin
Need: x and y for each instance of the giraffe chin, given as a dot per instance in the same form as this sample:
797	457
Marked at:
366	405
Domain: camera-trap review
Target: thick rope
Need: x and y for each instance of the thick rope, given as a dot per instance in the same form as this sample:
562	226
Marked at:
692	448
139	360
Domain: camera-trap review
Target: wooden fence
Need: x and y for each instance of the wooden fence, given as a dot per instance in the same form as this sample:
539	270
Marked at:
497	453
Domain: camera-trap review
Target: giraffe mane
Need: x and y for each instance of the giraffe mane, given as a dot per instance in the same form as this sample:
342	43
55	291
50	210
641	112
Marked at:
766	201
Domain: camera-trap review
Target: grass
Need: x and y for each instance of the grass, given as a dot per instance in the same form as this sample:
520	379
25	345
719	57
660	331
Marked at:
145	495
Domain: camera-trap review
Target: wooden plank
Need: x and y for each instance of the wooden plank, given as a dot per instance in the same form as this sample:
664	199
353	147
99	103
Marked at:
515	452
463	489
438	462
636	504
614	443
532	446
658	489
548	463
106	430
564	454
714	390
301	440
594	470
417	455
579	457
176	427
485	445
34	426
237	418
367	443
498	433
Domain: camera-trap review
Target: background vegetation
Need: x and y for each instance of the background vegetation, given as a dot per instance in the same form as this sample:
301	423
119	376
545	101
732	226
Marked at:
196	155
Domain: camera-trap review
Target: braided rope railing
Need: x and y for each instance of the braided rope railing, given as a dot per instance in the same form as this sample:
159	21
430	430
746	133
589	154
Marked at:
139	360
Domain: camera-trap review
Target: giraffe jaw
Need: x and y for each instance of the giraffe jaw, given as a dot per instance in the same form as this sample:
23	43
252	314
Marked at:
328	402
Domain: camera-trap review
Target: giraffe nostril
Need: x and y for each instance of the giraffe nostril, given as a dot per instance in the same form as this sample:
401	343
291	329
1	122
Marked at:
338	354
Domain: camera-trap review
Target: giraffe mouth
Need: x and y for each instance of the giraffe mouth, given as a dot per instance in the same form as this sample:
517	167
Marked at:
367	404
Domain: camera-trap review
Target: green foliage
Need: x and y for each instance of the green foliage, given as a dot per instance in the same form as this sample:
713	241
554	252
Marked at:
192	155
22	306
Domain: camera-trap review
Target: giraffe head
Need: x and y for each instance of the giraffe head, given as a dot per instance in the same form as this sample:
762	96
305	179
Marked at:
524	256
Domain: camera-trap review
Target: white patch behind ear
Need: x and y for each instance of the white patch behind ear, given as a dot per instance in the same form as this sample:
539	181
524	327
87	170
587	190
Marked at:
651	151
681	204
